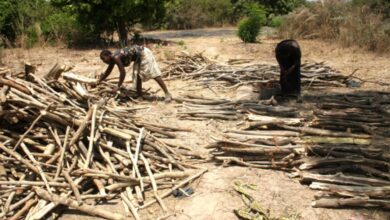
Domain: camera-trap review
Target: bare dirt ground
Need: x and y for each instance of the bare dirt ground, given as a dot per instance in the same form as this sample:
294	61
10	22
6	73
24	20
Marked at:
214	196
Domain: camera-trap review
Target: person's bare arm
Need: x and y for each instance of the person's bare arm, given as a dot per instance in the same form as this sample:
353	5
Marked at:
122	71
106	73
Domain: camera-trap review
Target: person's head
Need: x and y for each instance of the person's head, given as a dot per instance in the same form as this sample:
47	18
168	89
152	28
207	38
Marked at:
105	55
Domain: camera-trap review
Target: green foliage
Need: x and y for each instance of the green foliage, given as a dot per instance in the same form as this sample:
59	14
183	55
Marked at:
249	27
378	6
271	7
42	22
7	16
280	7
187	14
108	16
27	23
276	21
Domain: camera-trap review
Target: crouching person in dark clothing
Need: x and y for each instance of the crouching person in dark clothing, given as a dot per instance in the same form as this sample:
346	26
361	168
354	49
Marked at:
288	55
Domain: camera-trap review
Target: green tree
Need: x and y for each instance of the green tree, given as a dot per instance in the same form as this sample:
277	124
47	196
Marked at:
114	15
7	16
272	7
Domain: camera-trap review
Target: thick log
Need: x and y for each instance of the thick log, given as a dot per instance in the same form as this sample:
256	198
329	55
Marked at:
14	85
379	192
55	72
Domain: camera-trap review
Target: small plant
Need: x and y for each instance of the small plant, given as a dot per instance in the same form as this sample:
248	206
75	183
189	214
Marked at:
249	27
276	21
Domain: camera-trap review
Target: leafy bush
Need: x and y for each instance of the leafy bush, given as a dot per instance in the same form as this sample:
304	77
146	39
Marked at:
249	27
276	21
28	23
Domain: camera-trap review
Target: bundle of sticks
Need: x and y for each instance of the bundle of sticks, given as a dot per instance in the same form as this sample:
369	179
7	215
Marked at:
58	148
200	108
335	150
207	72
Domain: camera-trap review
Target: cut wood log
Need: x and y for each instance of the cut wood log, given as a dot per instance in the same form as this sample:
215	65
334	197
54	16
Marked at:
14	85
340	178
56	71
310	163
29	68
351	202
336	140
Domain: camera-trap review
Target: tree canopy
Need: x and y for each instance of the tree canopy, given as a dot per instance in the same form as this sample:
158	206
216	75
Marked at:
114	15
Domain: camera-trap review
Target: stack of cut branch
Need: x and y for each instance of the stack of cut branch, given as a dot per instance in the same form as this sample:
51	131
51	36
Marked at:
59	148
332	150
227	76
354	112
199	108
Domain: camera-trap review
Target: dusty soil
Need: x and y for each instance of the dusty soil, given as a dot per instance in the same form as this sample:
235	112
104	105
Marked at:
214	196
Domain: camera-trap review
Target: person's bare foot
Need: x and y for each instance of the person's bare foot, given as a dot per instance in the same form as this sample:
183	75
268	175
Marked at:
168	98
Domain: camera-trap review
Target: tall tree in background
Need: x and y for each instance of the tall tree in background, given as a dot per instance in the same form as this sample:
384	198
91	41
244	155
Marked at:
114	15
281	7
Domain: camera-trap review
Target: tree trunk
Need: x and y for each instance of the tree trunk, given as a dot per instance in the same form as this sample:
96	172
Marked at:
122	30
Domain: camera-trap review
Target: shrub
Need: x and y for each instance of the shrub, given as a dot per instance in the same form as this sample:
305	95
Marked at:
276	21
350	24
249	27
187	14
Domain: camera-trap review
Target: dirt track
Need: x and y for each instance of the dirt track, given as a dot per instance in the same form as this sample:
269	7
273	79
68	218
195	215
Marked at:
214	197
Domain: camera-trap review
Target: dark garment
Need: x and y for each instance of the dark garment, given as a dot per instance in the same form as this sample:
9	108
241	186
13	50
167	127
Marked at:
288	55
130	54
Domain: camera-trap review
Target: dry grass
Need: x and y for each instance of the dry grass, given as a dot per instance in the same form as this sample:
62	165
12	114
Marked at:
344	23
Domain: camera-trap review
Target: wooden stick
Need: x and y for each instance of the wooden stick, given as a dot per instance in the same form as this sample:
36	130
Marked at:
153	181
73	186
91	210
28	131
41	173
25	209
81	128
336	140
19	158
32	183
340	178
14	85
131	207
349	202
181	184
22	201
135	165
60	162
91	137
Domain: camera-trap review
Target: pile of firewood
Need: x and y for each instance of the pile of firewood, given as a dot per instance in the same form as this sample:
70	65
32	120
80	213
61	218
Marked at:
60	145
207	72
336	149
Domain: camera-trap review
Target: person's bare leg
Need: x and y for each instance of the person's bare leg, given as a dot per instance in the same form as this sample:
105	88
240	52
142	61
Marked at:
139	86
168	96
